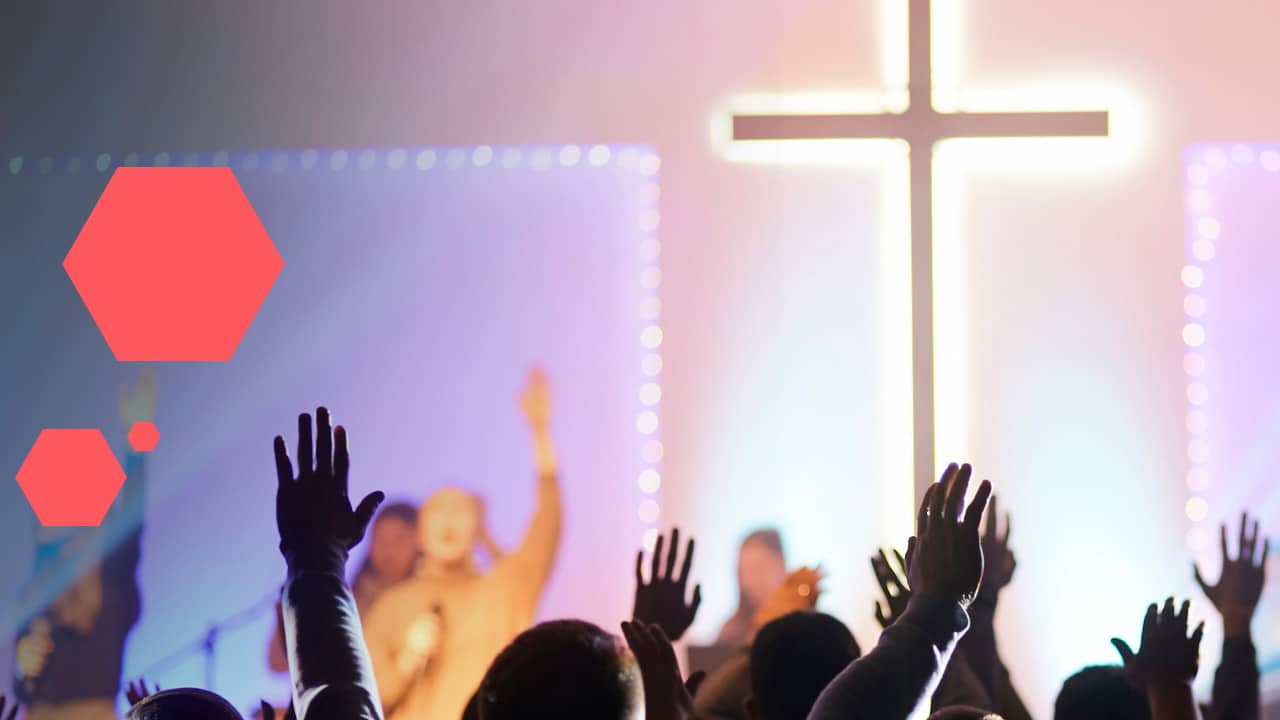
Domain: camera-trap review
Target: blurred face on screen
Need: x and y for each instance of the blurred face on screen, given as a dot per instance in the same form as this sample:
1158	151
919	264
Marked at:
393	549
760	571
450	526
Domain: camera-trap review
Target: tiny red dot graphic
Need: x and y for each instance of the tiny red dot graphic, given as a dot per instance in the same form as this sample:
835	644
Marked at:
173	264
70	477
143	437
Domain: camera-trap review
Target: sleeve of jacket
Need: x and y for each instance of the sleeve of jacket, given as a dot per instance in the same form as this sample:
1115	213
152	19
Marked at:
902	670
1235	684
328	661
960	685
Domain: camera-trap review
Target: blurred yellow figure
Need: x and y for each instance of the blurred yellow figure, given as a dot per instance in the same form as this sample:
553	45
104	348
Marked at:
433	636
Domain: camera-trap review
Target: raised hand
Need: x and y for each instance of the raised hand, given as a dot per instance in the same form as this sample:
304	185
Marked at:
1166	655
34	648
1239	588
893	583
666	695
998	560
944	558
799	591
661	601
139	405
136	692
313	509
535	400
13	711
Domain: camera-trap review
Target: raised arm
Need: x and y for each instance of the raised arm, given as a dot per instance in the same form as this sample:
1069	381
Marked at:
944	567
328	662
1236	693
979	647
960	684
537	550
122	527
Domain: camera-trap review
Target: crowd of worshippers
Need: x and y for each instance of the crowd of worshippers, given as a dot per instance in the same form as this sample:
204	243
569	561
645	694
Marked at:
936	657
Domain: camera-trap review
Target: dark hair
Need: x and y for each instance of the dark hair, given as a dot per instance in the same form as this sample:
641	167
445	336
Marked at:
794	658
396	511
771	539
1101	692
183	704
563	668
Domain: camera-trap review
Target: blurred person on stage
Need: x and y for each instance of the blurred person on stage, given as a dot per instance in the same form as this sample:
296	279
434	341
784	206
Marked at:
432	637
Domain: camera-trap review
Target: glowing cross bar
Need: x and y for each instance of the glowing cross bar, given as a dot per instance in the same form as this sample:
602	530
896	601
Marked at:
921	126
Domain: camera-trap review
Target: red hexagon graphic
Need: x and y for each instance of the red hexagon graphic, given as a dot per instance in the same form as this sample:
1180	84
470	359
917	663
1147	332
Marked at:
143	437
173	264
70	477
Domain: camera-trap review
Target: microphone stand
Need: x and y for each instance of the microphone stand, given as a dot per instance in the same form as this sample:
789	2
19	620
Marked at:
207	644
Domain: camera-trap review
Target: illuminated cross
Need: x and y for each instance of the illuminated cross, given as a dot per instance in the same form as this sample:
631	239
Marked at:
921	126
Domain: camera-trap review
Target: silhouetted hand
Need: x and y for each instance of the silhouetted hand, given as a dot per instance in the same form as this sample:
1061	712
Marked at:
313	508
1166	656
666	696
998	562
799	591
13	711
662	600
139	405
1239	588
893	583
944	558
137	691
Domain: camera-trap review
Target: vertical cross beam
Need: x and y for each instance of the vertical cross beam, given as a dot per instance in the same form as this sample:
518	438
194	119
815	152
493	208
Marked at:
921	126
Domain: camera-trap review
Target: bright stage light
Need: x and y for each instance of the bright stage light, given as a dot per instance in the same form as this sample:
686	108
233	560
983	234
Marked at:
1193	334
570	155
649	481
651	365
598	156
650	394
1197	509
1197	393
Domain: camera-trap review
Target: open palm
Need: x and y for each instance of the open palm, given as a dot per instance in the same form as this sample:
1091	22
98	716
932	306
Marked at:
661	600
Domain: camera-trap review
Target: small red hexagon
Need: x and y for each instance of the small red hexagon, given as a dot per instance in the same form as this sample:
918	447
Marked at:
173	264
70	477
143	437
